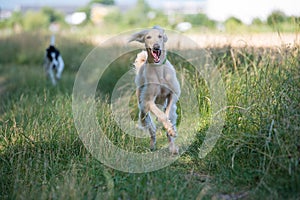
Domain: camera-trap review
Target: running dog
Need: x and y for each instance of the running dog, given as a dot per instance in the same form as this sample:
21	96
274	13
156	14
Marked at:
53	62
157	84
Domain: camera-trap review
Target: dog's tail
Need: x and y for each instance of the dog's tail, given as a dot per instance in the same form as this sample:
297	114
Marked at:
52	40
140	60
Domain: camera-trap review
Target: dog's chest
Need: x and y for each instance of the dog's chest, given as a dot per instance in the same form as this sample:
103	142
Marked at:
162	80
158	75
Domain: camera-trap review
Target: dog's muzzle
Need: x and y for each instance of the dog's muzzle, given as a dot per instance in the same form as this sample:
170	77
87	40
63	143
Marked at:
156	52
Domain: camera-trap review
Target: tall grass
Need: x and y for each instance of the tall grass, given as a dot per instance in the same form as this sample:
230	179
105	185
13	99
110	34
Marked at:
28	48
261	136
256	157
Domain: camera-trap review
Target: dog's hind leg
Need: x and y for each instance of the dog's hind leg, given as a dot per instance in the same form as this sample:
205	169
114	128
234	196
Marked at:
60	67
146	122
172	115
171	110
51	75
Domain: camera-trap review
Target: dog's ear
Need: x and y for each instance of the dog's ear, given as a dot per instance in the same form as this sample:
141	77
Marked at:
140	36
165	37
158	28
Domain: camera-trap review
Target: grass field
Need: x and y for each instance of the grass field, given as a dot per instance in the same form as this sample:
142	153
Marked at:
256	157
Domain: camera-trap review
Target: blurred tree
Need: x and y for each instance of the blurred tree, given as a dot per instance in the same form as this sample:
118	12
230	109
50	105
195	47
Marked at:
113	17
87	10
276	17
257	21
141	15
200	20
159	19
138	15
233	24
234	20
35	20
106	2
14	20
294	20
53	15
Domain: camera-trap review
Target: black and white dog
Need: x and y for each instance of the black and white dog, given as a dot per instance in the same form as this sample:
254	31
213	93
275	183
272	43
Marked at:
53	62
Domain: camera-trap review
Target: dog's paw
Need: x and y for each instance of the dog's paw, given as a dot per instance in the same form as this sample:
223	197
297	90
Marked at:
174	150
152	144
152	148
172	132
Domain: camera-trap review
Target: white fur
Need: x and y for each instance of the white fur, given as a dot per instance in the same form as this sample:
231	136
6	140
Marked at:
49	65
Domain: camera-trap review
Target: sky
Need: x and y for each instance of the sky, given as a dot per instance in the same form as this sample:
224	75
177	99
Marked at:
219	10
246	10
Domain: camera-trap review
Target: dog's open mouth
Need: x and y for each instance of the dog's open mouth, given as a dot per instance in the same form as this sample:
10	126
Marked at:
156	54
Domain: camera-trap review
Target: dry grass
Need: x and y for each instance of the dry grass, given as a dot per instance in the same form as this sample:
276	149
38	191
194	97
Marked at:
262	40
256	157
258	40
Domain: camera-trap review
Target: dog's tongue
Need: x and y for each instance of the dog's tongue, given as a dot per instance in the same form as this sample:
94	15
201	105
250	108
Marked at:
156	54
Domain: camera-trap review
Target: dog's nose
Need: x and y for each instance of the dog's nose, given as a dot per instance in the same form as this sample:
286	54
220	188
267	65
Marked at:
156	47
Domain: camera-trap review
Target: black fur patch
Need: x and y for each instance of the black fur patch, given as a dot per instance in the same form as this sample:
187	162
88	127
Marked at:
51	49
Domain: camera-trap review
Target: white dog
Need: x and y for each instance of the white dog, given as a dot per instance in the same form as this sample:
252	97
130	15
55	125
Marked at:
157	84
53	62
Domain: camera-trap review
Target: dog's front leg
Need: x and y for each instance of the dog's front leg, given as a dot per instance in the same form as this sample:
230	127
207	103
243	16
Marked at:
172	116
172	147
162	117
60	67
147	123
51	74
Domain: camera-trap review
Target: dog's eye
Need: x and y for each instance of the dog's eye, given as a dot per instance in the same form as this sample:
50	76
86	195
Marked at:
148	37
159	36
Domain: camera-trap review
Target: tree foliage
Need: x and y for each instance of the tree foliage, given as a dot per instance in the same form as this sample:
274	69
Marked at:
200	20
276	17
105	2
232	24
53	15
257	21
35	20
141	15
